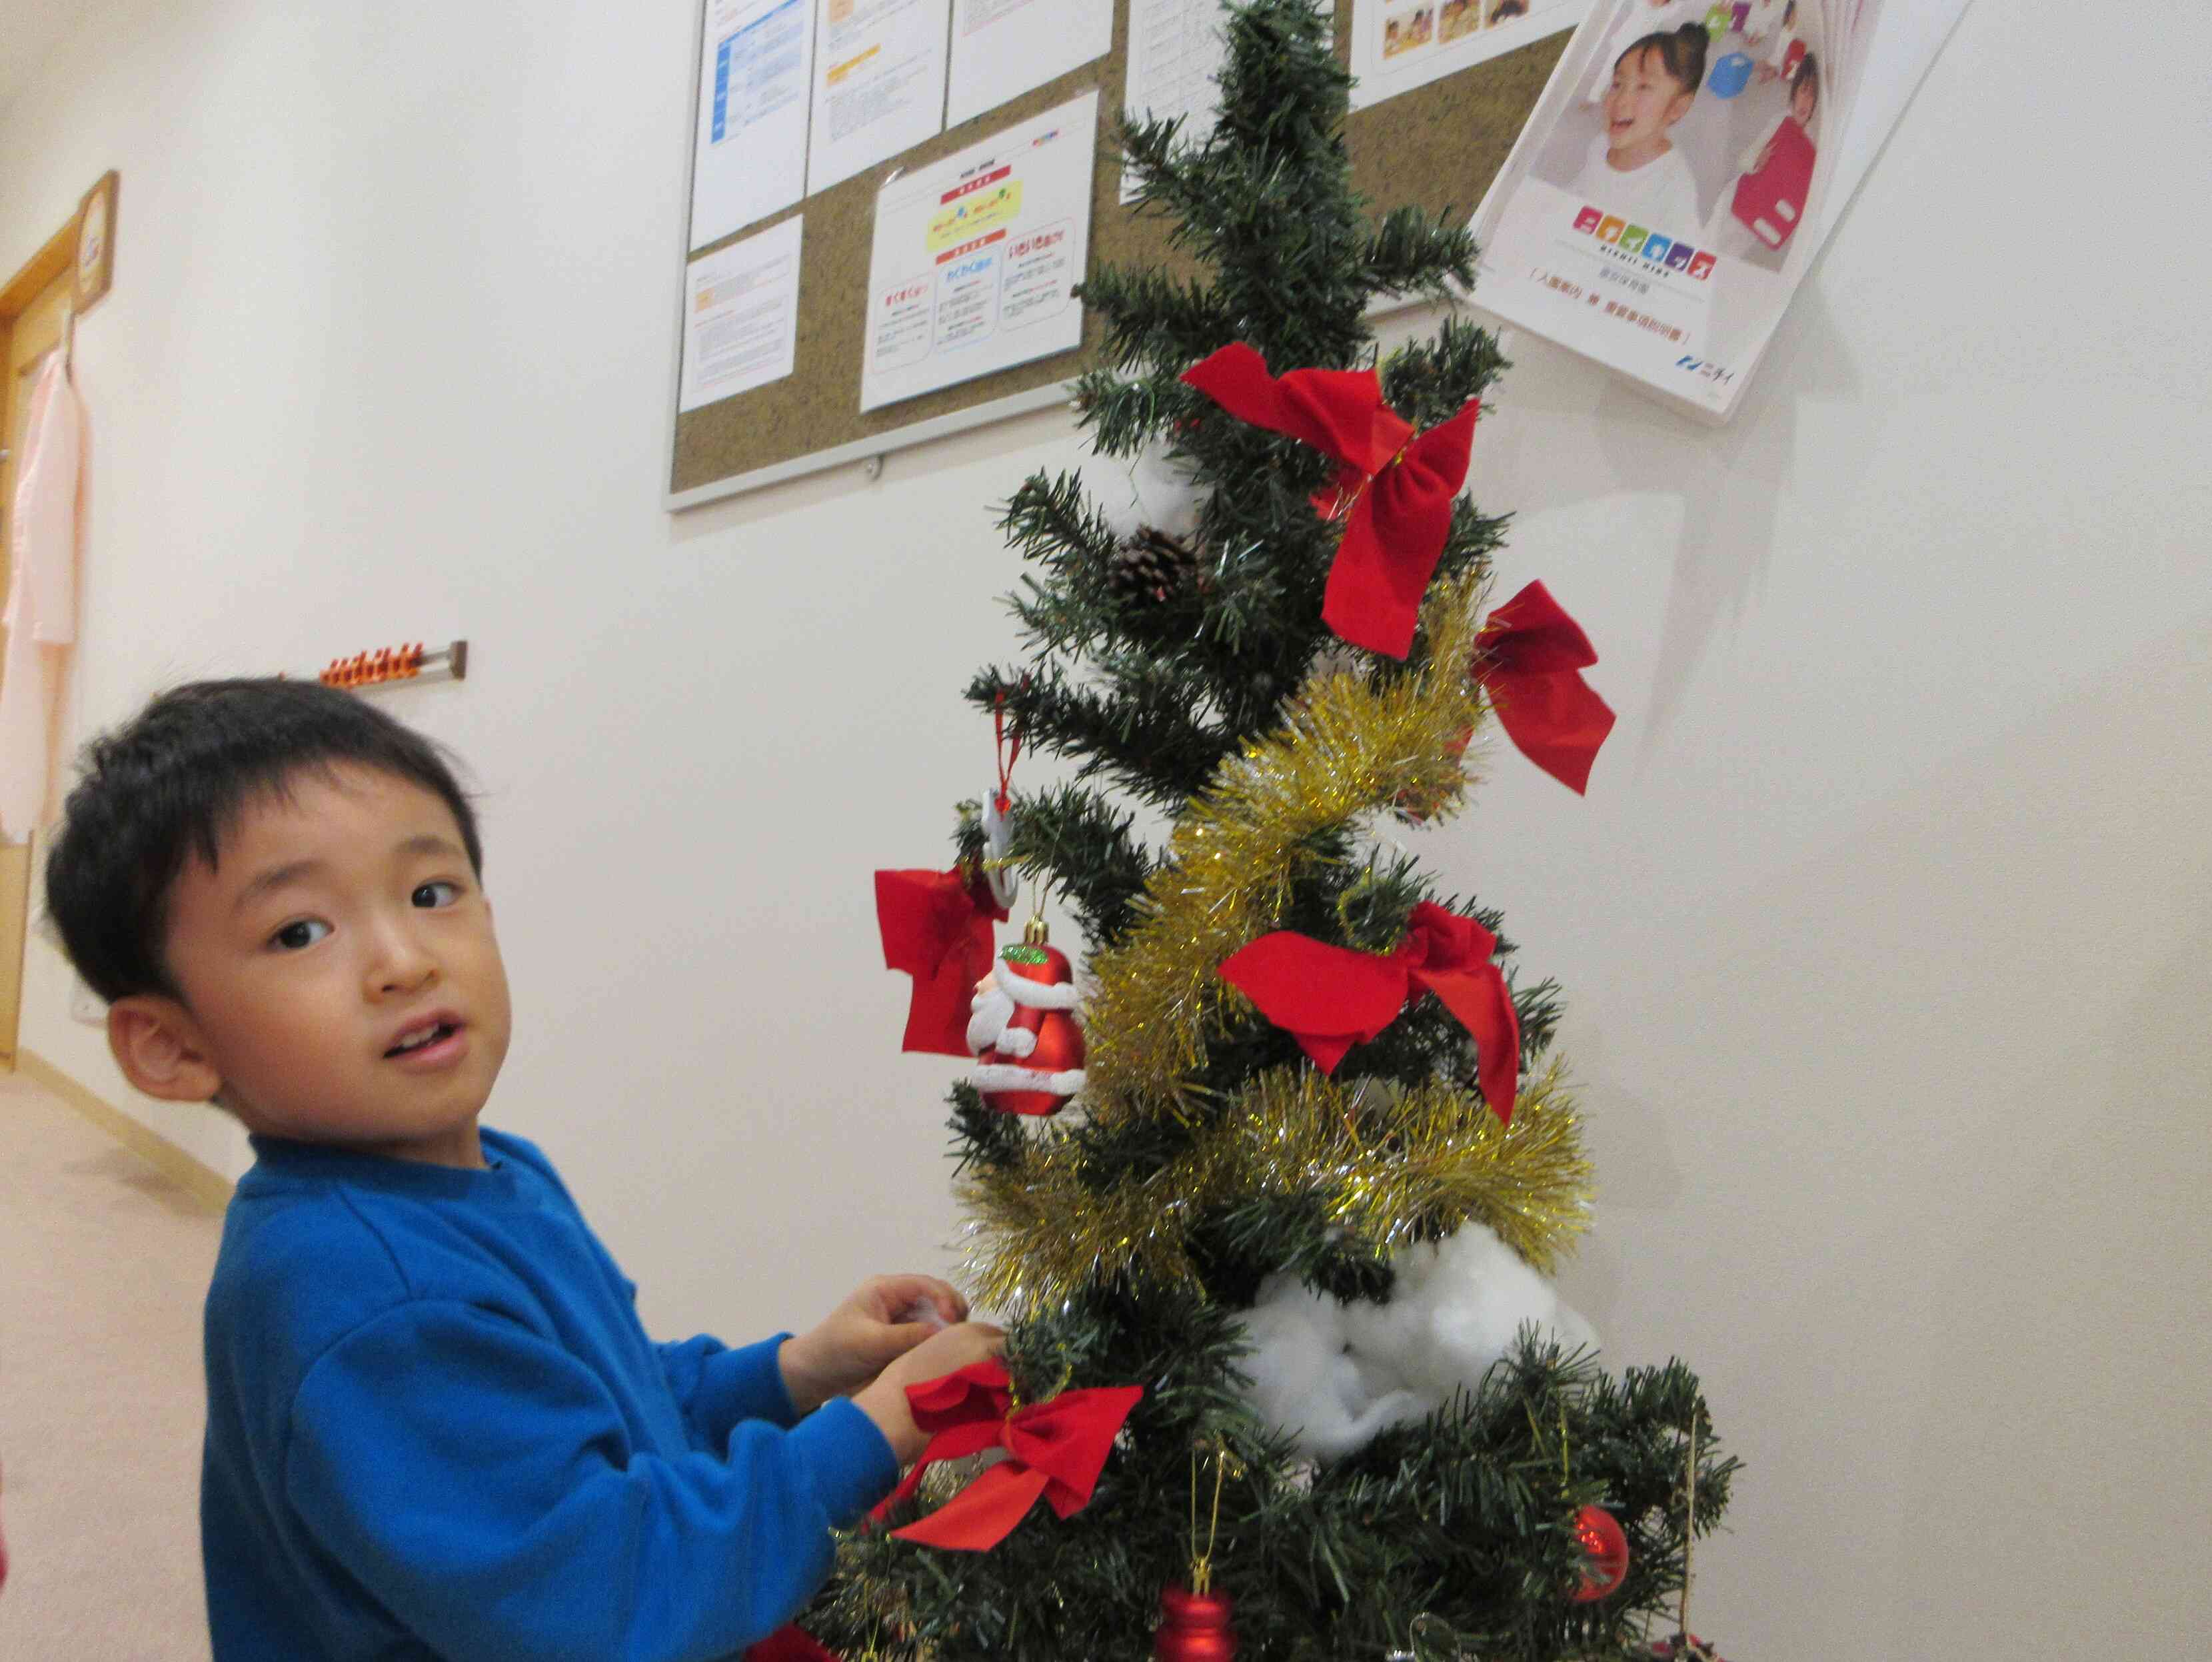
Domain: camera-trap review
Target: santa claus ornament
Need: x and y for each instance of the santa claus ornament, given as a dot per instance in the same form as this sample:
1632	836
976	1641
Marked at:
1029	1048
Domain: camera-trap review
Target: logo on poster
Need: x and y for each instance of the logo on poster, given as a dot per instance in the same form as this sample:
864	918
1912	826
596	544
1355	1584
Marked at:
1644	243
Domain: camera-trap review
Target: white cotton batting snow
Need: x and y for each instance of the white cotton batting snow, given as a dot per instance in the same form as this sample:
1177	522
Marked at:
1149	490
1336	1373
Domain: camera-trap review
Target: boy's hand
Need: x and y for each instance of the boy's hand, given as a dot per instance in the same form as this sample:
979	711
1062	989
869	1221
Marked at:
884	1318
947	1352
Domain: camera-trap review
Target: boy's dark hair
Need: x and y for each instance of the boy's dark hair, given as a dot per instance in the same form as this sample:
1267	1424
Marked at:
1682	50
173	782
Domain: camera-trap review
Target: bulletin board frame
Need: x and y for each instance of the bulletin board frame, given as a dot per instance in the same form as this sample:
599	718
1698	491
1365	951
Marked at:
1438	146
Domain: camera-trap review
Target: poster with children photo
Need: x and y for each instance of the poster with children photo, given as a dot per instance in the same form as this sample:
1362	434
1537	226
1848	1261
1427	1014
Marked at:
1653	213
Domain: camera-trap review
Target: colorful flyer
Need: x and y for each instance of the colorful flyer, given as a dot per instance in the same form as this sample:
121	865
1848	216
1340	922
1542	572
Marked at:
976	258
1399	44
1681	171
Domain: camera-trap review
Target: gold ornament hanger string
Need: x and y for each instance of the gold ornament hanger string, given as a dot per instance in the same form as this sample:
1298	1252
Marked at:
1537	1433
1689	1529
1201	1563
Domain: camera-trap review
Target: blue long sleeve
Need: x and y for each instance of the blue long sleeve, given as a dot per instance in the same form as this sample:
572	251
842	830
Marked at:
437	1429
506	1512
717	1387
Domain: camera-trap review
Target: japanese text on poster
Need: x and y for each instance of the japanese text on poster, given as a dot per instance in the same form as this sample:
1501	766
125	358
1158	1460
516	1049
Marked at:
749	156
1004	48
975	258
741	316
878	83
1175	53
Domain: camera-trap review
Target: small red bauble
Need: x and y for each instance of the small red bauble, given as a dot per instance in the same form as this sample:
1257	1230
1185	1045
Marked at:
1607	1548
1194	1628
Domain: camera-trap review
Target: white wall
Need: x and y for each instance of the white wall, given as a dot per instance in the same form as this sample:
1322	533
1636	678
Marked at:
1885	922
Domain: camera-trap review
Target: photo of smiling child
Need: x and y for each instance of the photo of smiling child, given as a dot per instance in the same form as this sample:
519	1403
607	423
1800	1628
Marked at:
1638	18
1633	168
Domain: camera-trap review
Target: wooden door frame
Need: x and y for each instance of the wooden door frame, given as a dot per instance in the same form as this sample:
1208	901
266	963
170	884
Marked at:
55	260
58	254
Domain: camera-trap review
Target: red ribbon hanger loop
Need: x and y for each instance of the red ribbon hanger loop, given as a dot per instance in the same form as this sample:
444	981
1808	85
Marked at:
1008	750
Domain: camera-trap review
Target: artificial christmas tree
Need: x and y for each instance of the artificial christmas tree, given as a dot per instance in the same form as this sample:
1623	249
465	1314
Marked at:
1298	1212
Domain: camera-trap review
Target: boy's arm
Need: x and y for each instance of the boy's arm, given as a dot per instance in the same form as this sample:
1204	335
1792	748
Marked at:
482	1487
718	1388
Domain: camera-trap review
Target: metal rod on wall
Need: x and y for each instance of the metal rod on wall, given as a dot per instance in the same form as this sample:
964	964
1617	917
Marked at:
389	663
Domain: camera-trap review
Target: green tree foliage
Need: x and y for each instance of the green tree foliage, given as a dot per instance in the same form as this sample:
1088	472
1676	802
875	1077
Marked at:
1467	1517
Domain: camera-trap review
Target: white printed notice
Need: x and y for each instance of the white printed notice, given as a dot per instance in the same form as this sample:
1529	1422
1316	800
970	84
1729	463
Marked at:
749	156
1176	50
976	258
1004	48
878	83
741	316
1399	44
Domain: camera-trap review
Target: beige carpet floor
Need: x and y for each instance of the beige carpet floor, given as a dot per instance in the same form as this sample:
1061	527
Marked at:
103	1263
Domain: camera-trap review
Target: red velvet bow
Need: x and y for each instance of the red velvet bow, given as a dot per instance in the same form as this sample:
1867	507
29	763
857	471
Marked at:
935	926
1397	489
1332	997
790	1644
1058	1449
1530	658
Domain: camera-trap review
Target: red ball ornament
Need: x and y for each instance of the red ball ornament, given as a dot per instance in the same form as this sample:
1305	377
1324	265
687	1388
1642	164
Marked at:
1194	1628
1038	1036
1605	1545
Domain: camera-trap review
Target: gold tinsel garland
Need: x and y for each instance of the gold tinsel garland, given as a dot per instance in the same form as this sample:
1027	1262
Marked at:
1350	745
1390	1166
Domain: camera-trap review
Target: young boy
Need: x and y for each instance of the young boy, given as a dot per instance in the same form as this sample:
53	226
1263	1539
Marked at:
435	1426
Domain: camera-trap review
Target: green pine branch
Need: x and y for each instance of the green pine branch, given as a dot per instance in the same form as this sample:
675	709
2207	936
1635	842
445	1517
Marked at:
1466	1516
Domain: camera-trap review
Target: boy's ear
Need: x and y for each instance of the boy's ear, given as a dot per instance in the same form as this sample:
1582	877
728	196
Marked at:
160	1048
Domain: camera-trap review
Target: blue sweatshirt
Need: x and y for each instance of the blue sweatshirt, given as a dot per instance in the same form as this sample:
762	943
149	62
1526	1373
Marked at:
436	1429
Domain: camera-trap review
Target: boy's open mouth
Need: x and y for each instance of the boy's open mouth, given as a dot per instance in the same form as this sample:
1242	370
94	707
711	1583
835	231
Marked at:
422	1037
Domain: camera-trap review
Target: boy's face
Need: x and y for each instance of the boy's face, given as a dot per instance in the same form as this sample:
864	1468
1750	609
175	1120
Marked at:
1802	102
1643	100
340	924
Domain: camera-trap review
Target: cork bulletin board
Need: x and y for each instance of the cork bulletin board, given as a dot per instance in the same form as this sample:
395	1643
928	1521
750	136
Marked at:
1438	146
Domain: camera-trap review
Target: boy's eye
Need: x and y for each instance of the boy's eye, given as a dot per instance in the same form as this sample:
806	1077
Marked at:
304	933
436	893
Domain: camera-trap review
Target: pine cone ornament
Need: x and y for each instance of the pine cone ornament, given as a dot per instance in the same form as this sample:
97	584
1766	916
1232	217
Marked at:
1150	566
